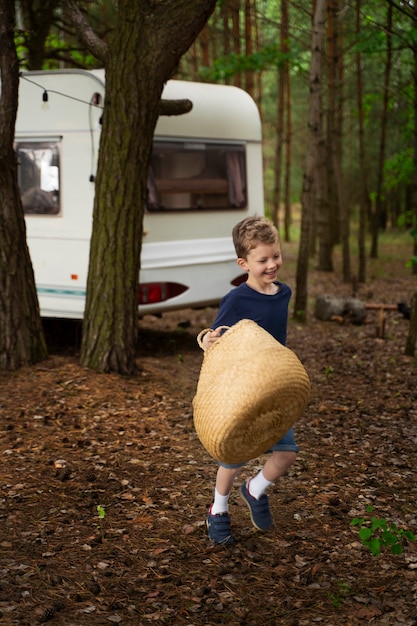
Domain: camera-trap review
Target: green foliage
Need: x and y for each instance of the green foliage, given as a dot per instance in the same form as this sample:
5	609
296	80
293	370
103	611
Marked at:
370	40
377	534
228	66
328	370
399	169
101	515
344	590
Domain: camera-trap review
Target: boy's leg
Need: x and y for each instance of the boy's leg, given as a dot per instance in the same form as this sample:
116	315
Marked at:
276	466
253	491
224	484
218	519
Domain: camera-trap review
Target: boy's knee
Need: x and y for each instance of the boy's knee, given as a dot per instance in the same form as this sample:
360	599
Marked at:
284	458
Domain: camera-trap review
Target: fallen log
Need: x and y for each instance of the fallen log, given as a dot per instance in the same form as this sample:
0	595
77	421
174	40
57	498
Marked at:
330	307
352	309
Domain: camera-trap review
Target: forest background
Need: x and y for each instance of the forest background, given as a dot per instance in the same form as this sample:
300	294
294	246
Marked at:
336	85
367	95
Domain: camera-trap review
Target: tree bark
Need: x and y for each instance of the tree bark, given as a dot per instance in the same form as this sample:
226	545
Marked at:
21	336
234	7
288	122
377	219
276	197
250	18
410	348
35	28
364	204
144	51
312	159
279	142
414	181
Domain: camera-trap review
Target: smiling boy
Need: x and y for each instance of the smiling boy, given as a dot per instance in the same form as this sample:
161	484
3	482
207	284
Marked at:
263	299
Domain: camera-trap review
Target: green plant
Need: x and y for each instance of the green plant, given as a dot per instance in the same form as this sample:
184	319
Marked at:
328	370
101	516
377	533
344	590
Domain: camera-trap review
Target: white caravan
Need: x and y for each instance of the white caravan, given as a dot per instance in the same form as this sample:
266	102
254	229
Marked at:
205	176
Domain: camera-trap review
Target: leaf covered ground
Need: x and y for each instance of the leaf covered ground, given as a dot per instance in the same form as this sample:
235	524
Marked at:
105	486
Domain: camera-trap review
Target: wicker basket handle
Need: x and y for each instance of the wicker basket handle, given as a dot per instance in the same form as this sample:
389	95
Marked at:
204	332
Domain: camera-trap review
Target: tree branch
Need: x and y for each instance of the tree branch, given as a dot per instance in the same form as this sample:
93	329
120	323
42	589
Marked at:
174	107
85	33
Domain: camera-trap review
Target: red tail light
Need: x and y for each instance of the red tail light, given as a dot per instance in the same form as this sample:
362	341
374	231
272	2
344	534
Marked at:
151	293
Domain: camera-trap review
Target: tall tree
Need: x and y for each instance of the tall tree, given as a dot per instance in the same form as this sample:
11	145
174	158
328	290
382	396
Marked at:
310	178
288	118
414	179
378	210
34	25
363	204
21	336
335	124
279	141
234	8
250	17
281	135
142	54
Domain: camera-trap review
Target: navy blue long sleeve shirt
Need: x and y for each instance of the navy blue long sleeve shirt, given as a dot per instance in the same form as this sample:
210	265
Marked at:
269	311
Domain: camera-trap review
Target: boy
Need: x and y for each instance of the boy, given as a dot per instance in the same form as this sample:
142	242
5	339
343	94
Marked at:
264	300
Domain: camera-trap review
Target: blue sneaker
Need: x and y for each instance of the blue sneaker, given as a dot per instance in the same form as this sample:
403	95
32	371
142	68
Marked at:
259	509
218	527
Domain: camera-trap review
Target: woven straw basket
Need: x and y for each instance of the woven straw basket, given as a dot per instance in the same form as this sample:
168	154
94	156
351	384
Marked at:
250	391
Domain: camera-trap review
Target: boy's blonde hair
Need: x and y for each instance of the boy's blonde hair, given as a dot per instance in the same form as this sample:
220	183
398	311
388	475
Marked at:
252	231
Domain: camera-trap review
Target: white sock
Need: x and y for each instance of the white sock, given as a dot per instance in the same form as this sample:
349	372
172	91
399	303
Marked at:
220	504
258	485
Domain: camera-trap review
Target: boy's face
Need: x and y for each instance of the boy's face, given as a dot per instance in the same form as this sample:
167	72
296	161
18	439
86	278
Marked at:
262	265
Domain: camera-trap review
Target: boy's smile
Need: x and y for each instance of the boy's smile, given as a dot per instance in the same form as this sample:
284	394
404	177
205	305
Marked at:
262	265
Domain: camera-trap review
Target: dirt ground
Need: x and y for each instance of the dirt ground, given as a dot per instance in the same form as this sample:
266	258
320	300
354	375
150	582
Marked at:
105	486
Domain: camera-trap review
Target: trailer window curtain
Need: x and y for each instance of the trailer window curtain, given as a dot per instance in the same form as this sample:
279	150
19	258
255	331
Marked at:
196	176
39	176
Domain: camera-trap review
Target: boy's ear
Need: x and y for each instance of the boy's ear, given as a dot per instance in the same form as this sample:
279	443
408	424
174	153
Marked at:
242	264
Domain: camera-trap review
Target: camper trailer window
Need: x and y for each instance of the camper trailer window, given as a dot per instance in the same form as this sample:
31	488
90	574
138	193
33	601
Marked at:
38	176
196	176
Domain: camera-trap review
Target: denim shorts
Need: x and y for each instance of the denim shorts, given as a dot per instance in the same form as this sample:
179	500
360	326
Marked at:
285	444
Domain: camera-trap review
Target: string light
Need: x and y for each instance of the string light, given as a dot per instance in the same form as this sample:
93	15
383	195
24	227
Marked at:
95	100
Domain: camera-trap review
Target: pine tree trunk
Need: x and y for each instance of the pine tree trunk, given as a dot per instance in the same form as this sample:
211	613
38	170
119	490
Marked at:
410	348
414	181
312	161
276	197
377	214
364	196
235	14
281	108
288	121
250	17
338	62
21	336
143	53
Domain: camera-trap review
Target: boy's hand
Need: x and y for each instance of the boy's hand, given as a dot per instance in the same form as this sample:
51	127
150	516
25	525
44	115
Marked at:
210	338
